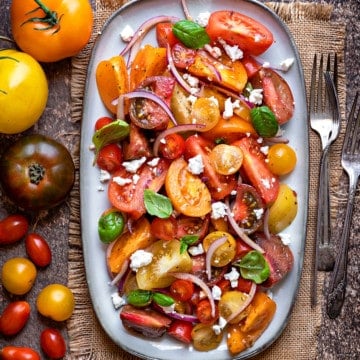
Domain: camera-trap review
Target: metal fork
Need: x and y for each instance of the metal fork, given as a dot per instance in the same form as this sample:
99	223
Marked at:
325	120
350	161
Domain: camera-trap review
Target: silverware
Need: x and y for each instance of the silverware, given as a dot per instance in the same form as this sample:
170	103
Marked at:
350	161
325	120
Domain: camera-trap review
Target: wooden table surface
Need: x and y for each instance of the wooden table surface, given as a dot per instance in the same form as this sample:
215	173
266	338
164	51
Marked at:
53	225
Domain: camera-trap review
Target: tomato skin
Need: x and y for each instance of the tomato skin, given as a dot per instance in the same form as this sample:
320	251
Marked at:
282	159
165	35
14	317
251	36
244	285
165	229
18	353
181	330
53	343
251	65
37	172
256	169
13	228
182	290
109	158
173	146
183	57
102	121
23	89
38	250
203	312
64	39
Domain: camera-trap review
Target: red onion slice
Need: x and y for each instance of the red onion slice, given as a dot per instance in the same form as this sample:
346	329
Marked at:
120	274
201	284
266	224
186	10
210	252
245	304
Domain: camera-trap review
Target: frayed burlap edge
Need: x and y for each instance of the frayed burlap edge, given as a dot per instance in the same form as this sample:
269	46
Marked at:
87	340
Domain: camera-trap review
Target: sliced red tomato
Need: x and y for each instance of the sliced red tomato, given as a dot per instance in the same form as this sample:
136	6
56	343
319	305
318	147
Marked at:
251	65
277	94
165	229
203	312
109	158
257	171
192	226
182	290
128	196
165	35
251	36
137	144
183	56
219	185
181	330
102	121
241	249
248	209
172	147
244	285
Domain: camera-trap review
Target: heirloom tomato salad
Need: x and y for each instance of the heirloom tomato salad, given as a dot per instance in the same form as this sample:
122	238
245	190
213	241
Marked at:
193	159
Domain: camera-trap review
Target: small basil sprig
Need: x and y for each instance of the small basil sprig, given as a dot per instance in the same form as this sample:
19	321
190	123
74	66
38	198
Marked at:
141	298
157	204
191	34
186	241
253	266
264	121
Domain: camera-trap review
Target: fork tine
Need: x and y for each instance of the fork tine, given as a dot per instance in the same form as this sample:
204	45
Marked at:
312	86
320	84
352	129
356	128
334	69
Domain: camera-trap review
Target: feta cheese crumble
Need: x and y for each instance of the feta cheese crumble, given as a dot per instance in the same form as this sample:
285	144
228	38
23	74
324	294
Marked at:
104	176
121	181
134	165
286	64
140	258
203	18
256	96
196	165
196	250
117	300
216	292
218	210
232	51
233	277
127	33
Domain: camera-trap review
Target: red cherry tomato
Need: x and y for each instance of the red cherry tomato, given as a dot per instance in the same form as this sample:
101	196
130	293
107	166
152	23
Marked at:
187	225
203	312
109	158
102	121
251	36
53	343
182	290
165	35
18	353
38	250
172	147
181	330
13	228
14	317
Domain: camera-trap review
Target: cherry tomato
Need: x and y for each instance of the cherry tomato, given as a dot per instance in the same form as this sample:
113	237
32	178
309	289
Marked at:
18	275
172	146
53	343
165	35
205	111
282	159
52	31
55	301
219	185
244	285
129	198
183	56
38	250
182	290
165	229
251	36
226	159
187	225
102	121
205	338
257	171
18	353
181	330
248	209
109	158
13	228
37	172
14	317
277	94
203	312
23	89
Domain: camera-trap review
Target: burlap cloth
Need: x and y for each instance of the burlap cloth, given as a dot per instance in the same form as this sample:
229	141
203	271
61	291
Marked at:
313	31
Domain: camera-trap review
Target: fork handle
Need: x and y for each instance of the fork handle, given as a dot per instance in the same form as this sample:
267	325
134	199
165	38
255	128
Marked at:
336	294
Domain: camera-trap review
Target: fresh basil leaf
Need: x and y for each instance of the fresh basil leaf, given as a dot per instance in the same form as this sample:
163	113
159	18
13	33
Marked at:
264	121
163	299
110	133
140	297
157	204
253	266
191	34
186	241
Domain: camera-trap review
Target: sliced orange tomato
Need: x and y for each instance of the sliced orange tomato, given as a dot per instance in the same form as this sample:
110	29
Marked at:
188	194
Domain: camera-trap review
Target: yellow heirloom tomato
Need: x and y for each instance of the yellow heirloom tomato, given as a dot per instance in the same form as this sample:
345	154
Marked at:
23	91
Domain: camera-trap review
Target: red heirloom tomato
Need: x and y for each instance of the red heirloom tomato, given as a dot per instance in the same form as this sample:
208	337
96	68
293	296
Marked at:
38	249
53	343
37	172
51	30
172	147
181	330
238	29
13	228
18	353
14	317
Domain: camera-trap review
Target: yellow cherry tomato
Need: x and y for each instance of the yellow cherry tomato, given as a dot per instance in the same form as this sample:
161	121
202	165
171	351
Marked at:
23	91
18	275
226	159
282	159
56	301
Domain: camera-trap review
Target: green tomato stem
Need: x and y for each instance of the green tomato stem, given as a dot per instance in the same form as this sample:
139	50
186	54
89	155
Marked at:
36	173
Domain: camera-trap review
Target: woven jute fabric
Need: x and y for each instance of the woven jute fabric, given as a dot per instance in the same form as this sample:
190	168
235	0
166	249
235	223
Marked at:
313	31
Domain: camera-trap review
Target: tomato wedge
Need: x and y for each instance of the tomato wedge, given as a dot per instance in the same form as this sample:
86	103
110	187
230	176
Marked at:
251	36
256	169
127	195
165	35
